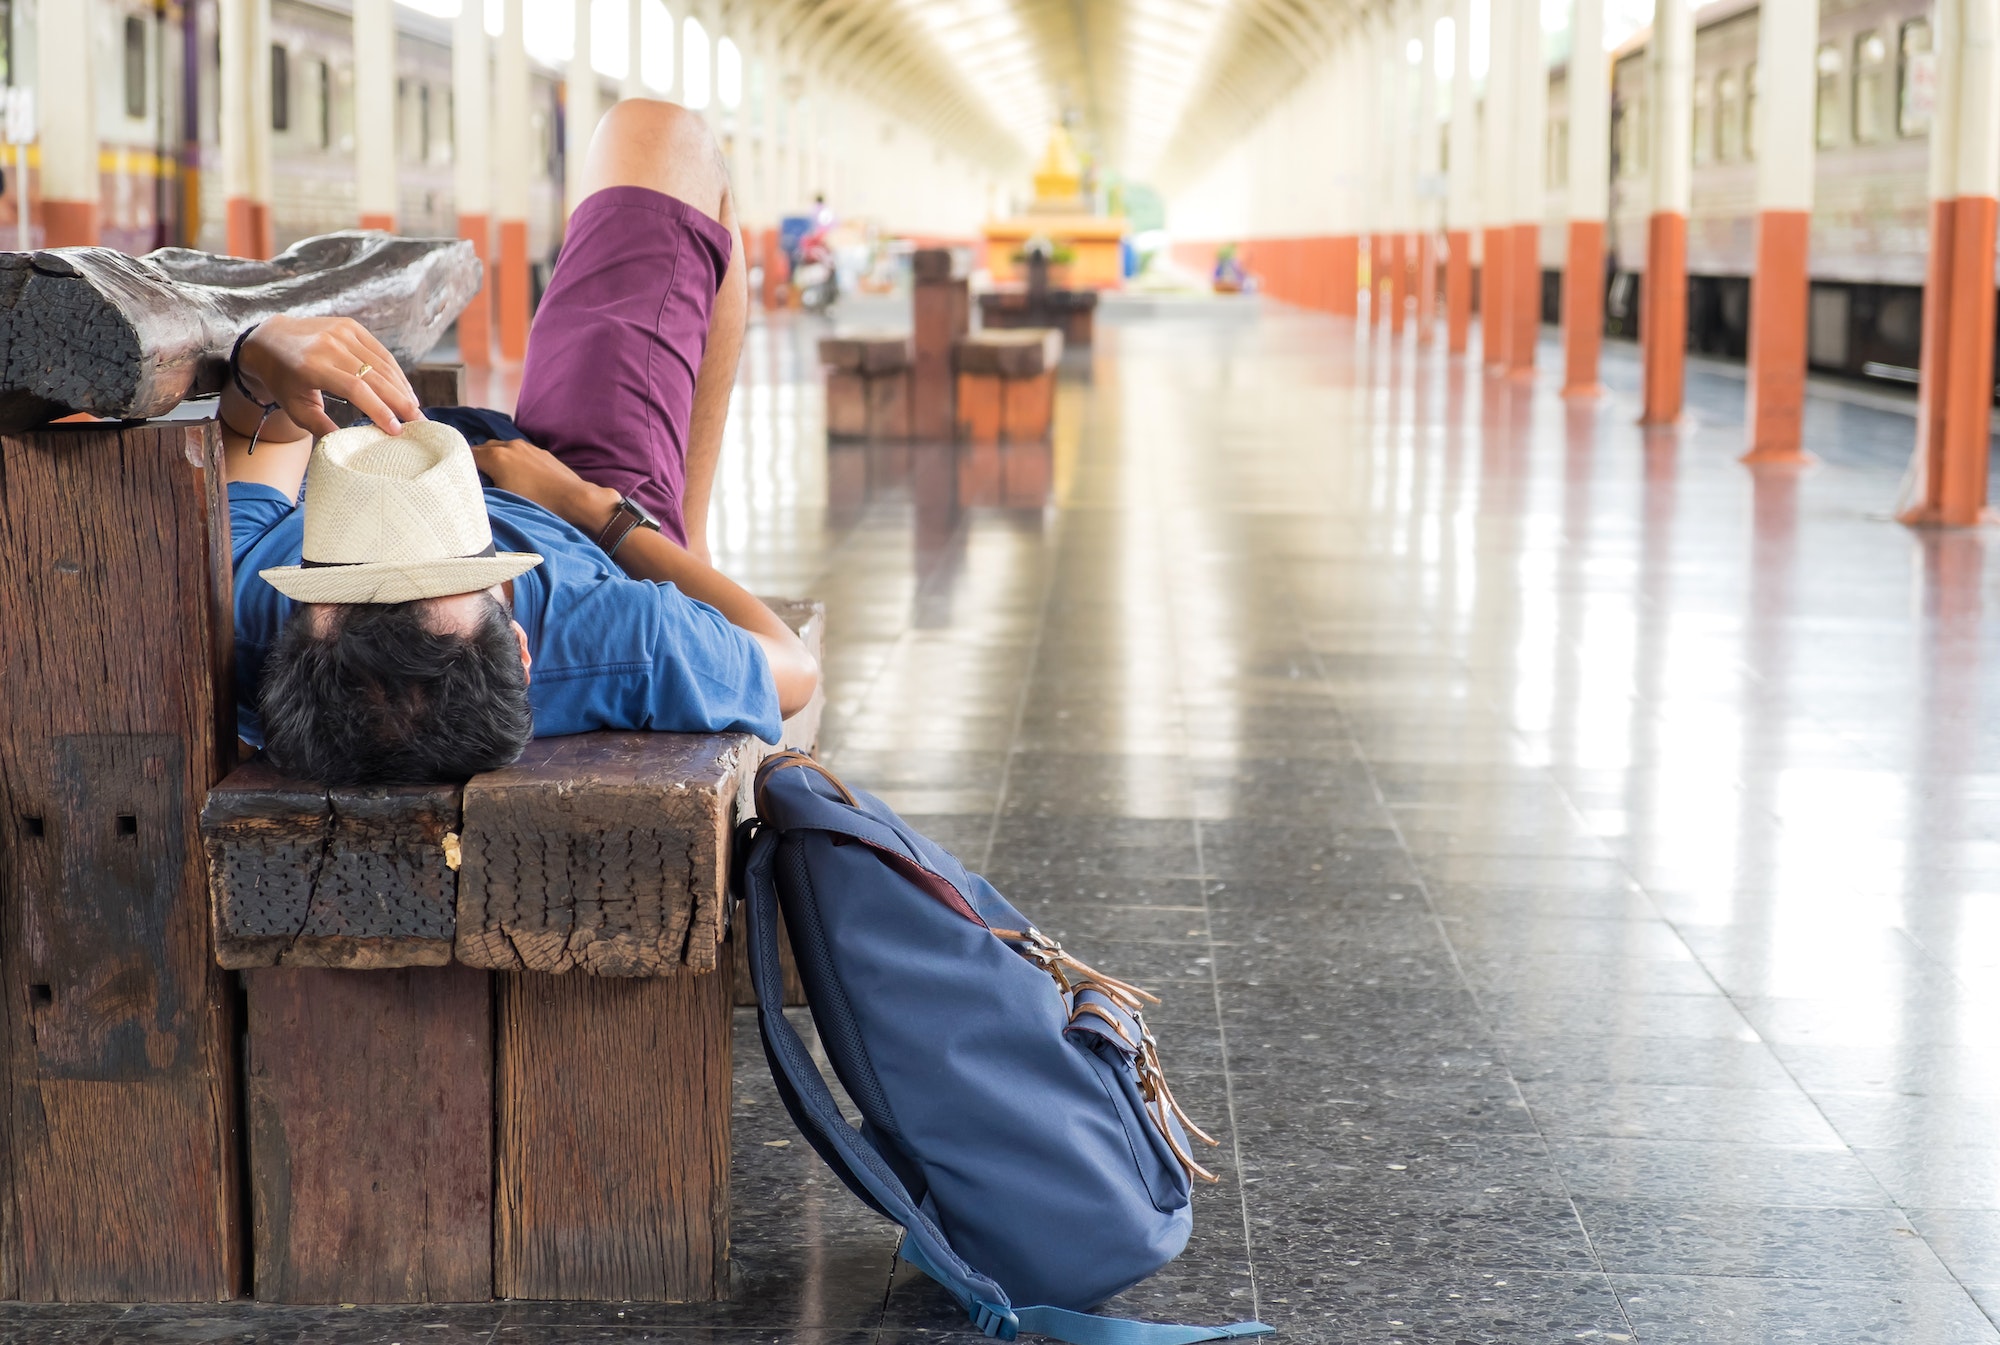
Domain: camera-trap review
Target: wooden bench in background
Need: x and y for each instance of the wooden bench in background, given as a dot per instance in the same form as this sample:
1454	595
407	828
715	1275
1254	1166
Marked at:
488	1037
1007	384
867	386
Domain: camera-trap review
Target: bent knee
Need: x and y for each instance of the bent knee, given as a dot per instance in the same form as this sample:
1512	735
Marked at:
642	142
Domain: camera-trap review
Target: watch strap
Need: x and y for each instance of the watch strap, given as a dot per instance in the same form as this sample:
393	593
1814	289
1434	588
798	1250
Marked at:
625	516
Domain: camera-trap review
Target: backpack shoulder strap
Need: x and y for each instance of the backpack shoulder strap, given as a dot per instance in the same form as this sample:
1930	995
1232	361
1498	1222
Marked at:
806	1097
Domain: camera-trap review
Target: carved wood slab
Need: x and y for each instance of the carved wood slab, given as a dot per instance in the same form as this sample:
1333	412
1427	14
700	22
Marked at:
92	329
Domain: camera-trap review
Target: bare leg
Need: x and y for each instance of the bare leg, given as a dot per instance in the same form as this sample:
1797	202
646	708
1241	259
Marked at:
664	147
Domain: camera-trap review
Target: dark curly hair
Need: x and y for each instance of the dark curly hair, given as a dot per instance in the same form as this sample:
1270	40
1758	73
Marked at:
371	694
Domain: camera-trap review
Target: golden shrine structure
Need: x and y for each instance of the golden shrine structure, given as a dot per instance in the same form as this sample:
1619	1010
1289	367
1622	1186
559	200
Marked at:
1063	215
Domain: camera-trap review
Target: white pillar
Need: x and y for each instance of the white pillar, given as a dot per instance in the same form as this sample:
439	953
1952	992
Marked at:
65	62
579	107
471	95
375	106
1531	115
1589	198
1589	98
1670	84
510	183
1496	187
471	171
634	85
244	123
1461	211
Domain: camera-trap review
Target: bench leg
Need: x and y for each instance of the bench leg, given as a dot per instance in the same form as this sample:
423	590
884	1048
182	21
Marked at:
370	1102
118	1161
613	1111
1027	408
846	405
979	408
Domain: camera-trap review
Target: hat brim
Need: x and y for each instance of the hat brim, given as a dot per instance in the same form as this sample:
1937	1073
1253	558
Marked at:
397	581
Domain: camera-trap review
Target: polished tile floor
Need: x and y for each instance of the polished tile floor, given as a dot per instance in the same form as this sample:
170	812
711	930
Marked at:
1571	861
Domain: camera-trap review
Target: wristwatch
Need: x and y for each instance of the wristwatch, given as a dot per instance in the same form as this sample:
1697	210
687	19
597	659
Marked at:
626	515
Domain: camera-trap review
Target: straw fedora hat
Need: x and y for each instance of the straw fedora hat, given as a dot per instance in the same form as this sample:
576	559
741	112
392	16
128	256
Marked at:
393	518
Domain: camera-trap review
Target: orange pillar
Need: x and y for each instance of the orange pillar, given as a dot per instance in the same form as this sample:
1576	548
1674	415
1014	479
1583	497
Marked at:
1779	297
1426	287
1457	289
1663	318
376	219
1953	425
1494	328
475	324
1344	262
1526	307
1583	308
69	224
1399	281
1663	300
511	289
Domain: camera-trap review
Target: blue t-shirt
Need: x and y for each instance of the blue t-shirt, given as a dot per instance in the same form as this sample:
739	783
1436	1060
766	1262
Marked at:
610	651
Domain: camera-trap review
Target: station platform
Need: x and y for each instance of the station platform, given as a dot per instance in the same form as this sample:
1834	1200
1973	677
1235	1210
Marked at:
1570	860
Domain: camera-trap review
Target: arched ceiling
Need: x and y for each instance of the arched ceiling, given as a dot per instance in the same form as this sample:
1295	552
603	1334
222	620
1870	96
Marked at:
1150	88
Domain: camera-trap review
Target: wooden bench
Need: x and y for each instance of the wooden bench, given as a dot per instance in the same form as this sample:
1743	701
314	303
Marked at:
867	386
1006	384
488	1038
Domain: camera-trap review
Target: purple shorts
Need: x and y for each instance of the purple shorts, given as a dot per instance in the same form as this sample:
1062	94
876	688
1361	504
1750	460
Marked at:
608	385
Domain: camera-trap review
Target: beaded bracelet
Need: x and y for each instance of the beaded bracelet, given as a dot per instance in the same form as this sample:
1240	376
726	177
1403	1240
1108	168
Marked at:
236	377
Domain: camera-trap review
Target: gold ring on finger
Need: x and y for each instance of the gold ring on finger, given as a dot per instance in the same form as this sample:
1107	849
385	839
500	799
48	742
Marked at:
364	371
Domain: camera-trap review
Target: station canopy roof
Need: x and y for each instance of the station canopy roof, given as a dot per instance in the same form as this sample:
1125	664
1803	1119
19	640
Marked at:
1147	86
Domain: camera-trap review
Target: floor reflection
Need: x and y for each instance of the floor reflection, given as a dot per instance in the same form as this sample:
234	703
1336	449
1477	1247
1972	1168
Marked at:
1570	860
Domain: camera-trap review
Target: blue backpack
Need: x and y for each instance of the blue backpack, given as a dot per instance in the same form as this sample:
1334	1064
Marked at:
1015	1120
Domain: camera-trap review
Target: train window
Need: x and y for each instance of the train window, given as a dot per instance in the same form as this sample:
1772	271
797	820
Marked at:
1871	87
135	66
281	88
1750	110
1831	67
1703	123
423	122
6	41
1728	118
1916	79
325	94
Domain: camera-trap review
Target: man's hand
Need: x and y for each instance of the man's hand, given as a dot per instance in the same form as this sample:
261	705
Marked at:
539	475
295	361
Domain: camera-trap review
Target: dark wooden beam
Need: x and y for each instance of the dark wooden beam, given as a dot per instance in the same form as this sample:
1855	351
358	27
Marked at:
95	330
117	1065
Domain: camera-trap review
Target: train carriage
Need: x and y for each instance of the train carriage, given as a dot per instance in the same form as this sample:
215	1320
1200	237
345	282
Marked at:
1870	223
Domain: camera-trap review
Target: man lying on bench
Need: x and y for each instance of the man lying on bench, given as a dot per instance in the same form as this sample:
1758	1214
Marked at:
406	627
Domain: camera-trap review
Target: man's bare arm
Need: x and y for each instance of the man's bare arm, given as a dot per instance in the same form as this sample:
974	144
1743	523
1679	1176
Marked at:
539	475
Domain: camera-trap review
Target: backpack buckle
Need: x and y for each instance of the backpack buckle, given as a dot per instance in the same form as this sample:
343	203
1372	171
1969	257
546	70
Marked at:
1000	1323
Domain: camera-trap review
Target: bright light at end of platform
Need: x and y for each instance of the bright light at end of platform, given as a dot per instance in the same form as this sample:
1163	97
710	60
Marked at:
1413	52
1442	44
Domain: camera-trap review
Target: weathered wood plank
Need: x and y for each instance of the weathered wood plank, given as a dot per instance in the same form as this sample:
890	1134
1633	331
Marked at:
606	852
119	1076
304	876
370	1127
612	1098
92	329
1018	352
866	352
